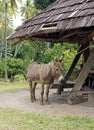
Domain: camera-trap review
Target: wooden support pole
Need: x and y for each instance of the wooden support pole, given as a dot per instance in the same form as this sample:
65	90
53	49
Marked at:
84	72
67	75
86	52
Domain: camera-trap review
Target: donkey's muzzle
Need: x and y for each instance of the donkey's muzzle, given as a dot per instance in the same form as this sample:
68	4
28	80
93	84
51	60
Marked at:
60	79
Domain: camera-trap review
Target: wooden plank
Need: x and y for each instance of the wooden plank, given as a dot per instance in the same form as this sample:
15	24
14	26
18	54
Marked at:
83	92
91	97
75	97
84	72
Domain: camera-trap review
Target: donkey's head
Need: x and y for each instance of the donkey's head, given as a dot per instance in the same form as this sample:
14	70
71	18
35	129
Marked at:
57	69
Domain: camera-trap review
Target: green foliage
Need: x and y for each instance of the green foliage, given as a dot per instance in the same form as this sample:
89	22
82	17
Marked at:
39	52
2	69
41	4
68	50
32	50
15	66
28	9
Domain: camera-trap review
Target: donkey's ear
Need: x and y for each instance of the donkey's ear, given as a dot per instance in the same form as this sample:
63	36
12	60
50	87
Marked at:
61	58
55	60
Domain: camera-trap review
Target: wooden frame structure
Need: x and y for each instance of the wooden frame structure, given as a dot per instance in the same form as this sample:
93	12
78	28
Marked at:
84	73
70	21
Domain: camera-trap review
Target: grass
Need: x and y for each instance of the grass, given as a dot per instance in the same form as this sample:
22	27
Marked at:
11	86
11	119
8	86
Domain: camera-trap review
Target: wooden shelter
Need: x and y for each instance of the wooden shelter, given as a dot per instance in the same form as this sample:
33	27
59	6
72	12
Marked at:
69	21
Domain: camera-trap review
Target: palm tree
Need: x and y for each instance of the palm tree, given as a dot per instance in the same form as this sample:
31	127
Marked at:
28	9
13	5
2	27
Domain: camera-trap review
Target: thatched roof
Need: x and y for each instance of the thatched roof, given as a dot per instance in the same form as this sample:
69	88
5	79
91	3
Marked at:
62	21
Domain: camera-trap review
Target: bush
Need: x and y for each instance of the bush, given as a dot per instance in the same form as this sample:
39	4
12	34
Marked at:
14	67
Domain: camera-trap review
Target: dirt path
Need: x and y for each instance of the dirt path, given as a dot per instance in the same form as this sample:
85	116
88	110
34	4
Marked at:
21	100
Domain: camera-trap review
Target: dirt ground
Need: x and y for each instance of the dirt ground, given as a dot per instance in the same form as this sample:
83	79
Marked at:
20	100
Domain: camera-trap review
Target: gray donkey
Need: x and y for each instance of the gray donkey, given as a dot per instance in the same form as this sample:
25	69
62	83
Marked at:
44	74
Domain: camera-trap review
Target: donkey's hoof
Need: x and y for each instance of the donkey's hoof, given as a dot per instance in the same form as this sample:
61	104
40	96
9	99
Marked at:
35	99
47	102
41	103
32	101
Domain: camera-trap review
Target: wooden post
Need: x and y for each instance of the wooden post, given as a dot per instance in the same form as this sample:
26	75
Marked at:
82	76
86	54
84	72
67	75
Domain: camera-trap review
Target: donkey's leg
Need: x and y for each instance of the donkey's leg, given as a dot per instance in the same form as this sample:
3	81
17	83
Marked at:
42	93
47	94
34	87
31	92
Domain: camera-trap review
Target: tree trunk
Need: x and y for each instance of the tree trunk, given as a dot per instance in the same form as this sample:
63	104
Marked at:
5	42
1	51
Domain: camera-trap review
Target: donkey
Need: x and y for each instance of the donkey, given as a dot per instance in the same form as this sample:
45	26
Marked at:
44	74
